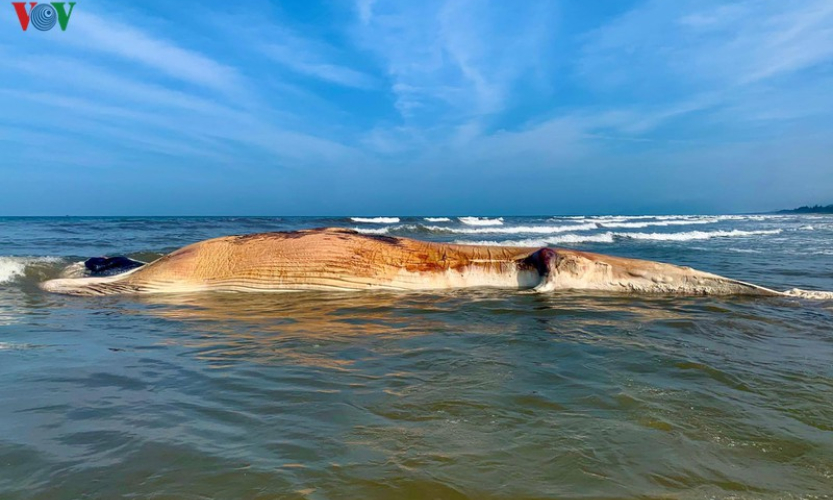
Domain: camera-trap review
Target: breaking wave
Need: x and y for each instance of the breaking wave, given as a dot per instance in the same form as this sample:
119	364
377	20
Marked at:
438	219
640	225
12	268
695	235
542	242
610	237
418	228
11	346
662	220
516	229
375	220
481	221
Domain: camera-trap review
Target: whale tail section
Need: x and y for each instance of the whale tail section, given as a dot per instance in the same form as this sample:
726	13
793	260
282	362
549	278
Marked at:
563	269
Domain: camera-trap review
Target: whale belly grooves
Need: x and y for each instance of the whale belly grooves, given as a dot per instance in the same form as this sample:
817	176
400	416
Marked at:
343	259
321	259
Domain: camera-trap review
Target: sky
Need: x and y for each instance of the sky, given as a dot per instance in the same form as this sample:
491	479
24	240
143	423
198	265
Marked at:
393	107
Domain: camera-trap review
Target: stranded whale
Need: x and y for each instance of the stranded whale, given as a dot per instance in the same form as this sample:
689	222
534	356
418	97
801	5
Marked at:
342	259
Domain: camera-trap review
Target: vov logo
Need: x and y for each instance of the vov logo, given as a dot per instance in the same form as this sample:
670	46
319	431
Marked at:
43	16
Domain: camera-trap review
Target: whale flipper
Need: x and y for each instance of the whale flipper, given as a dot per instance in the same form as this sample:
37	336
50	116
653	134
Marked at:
109	285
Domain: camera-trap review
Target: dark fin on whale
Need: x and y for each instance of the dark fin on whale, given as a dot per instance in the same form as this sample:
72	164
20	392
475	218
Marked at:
111	266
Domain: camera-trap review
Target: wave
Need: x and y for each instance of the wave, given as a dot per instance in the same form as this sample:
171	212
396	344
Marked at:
673	219
695	235
438	219
517	229
381	230
610	237
14	346
481	221
639	225
375	220
617	219
750	217
419	228
542	242
12	268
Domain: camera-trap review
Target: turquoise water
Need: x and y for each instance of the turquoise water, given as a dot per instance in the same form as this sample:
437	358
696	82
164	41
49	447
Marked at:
470	394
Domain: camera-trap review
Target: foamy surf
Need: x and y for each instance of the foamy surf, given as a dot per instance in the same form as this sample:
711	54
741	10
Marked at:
546	230
438	219
375	220
611	237
809	294
516	229
379	231
481	221
508	230
542	242
659	223
696	235
11	346
12	268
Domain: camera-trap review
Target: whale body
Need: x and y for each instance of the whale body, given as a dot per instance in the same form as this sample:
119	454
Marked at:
343	259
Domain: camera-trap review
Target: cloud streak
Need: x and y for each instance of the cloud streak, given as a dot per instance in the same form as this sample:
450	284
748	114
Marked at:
98	34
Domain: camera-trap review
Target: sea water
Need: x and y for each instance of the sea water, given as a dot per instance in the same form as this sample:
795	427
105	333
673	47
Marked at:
465	394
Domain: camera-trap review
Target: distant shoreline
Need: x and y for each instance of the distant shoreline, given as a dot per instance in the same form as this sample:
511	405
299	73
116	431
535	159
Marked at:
817	209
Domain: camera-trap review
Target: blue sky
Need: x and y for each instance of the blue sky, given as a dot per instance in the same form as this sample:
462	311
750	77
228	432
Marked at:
428	107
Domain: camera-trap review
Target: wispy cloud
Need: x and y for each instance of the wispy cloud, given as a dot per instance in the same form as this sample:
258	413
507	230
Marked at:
693	55
109	36
315	60
456	59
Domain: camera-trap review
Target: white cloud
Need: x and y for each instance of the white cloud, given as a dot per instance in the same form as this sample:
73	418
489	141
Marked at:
365	9
689	45
110	36
456	59
311	59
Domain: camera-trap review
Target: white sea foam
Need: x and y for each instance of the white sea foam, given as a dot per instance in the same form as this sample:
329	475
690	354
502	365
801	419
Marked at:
481	221
610	237
749	217
672	222
438	219
12	346
695	235
553	240
375	220
653	219
515	229
15	267
381	230
11	268
807	228
481	230
810	294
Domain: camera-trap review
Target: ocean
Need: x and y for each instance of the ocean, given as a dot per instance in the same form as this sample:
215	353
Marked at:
466	394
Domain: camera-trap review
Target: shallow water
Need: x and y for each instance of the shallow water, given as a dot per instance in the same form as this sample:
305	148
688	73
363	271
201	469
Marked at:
470	394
